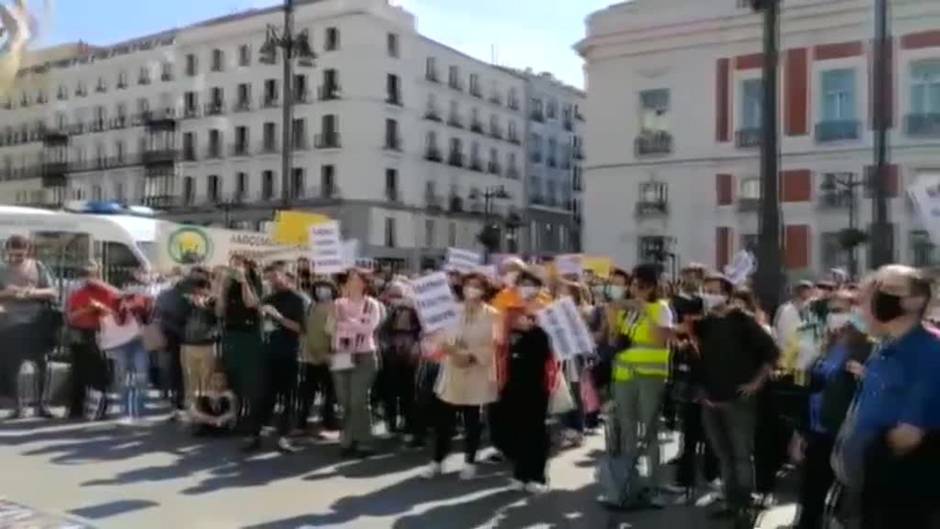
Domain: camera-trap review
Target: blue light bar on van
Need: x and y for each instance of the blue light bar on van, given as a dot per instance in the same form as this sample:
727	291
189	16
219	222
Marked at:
101	207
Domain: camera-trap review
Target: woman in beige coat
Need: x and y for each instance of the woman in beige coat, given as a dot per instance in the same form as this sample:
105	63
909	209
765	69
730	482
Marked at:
468	376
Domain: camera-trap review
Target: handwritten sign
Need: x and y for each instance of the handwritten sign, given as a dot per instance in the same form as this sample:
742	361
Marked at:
327	248
463	261
741	267
570	264
435	302
568	333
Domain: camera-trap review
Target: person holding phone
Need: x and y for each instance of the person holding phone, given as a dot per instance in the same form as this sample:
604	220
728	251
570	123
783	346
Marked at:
242	345
284	311
354	364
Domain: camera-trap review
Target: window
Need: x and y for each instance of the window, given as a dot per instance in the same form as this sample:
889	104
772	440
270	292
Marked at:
270	92
269	136
217	98
244	96
119	191
392	138
475	85
192	65
330	88
190	103
218	60
925	87
119	151
923	251
453	77
429	233
332	39
654	110
213	188
389	232
393	89
299	87
241	185
327	180
513	99
551	109
244	55
452	234
122	80
391	42
267	185
144	76
391	184
299	133
166	71
430	69
215	143
189	146
654	194
838	95
513	133
752	97
189	190
298	182
750	188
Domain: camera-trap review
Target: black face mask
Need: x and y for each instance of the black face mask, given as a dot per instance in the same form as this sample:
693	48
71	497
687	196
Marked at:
886	307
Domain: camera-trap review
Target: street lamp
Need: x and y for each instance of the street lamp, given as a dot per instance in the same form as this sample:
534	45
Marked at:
843	185
295	47
490	235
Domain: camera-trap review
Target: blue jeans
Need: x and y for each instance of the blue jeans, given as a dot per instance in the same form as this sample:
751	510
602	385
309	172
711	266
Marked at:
131	364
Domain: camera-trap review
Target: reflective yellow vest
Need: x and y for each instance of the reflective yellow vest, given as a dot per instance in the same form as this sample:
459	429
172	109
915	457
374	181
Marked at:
643	357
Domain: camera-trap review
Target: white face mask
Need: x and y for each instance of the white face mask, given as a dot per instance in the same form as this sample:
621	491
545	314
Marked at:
712	301
616	292
528	292
834	322
472	293
324	293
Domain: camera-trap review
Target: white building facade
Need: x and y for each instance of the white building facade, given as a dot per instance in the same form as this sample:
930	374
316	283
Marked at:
404	140
674	121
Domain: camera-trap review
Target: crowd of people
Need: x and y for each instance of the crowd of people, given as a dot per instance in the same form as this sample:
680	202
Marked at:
844	380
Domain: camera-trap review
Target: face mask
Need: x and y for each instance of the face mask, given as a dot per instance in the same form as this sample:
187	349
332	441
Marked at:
712	301
509	279
324	293
598	292
834	322
472	293
858	321
616	292
528	292
886	307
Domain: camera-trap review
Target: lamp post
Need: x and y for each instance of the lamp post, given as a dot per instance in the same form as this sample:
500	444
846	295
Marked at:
294	46
881	251
489	236
843	185
769	274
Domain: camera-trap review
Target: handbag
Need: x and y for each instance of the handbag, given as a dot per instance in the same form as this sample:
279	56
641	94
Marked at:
560	401
112	335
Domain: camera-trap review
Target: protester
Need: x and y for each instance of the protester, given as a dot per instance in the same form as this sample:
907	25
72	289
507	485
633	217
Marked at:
467	379
120	338
574	369
242	345
885	453
316	378
737	357
399	336
198	342
28	323
284	311
215	411
833	382
354	363
92	299
530	377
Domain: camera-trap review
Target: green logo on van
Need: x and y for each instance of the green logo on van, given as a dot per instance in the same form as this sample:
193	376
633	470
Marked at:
189	246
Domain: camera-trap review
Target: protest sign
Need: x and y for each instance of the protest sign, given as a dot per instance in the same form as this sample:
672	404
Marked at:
568	333
463	261
293	227
601	266
351	252
435	302
569	264
925	194
327	248
741	267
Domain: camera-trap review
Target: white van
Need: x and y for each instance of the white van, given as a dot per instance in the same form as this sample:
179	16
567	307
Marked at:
66	241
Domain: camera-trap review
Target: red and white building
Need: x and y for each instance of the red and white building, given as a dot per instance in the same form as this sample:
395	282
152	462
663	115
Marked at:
673	114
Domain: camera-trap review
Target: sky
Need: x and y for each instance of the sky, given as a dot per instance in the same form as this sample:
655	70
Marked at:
520	33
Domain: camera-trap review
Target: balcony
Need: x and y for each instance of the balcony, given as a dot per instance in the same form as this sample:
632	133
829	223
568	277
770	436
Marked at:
834	200
54	136
327	140
922	125
432	114
476	164
54	173
394	98
494	168
164	119
455	121
514	140
392	195
512	172
269	147
455	159
241	149
433	201
537	116
191	112
328	92
748	138
496	133
433	154
119	122
242	105
189	154
536	199
302	97
455	83
653	142
166	76
215	108
827	131
214	152
748	204
393	143
477	127
551	162
270	101
578	153
159	156
651	208
455	204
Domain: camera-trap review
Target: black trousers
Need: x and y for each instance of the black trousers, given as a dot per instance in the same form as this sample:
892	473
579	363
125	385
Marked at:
316	379
280	385
397	388
527	437
694	443
89	370
445	425
174	381
816	480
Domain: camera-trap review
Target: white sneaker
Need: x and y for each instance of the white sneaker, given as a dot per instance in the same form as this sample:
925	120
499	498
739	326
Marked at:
127	421
432	470
535	488
469	471
516	485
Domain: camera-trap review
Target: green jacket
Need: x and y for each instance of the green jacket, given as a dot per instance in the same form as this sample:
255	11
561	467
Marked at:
318	342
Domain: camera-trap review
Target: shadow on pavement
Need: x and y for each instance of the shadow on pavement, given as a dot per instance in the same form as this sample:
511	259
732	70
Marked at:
113	508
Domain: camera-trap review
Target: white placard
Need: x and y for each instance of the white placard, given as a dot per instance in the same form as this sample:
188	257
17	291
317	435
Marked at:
463	261
925	193
570	264
327	248
566	329
489	271
741	267
350	252
435	302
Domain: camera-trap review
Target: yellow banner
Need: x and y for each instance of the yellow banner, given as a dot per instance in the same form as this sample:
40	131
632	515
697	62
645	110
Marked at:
292	228
601	266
